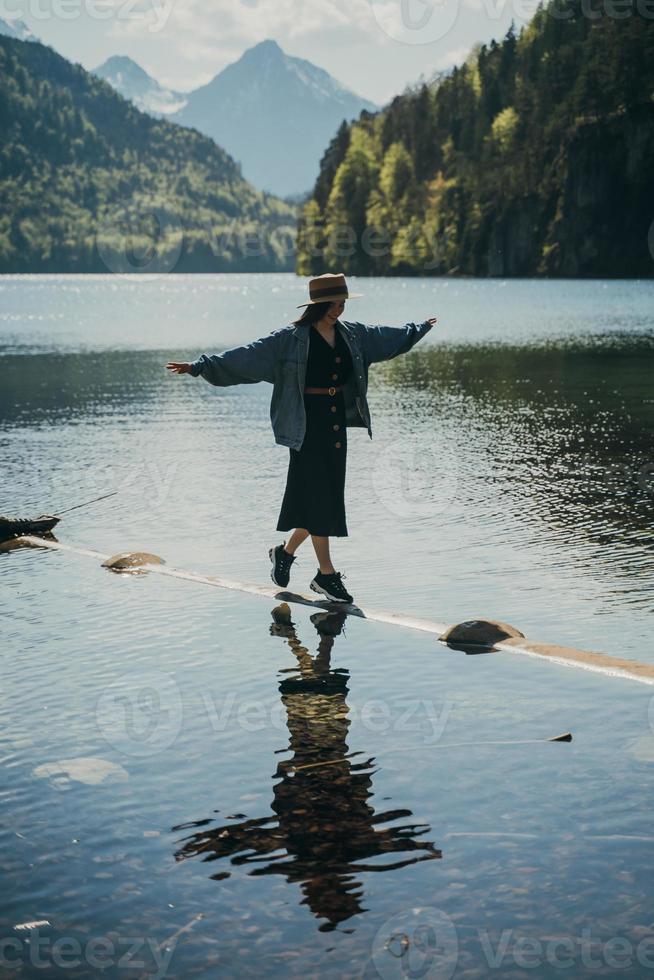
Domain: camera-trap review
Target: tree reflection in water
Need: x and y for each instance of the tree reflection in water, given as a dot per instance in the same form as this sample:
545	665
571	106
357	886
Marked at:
323	830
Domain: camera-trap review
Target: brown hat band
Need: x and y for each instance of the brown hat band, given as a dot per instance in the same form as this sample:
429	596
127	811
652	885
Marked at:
329	291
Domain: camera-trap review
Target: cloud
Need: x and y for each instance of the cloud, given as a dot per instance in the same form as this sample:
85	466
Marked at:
241	23
375	47
454	57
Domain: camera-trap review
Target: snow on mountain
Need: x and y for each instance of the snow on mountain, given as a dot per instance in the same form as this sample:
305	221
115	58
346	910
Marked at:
134	83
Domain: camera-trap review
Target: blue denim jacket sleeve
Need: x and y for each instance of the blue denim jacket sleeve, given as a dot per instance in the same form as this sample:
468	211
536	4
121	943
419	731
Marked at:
240	365
382	343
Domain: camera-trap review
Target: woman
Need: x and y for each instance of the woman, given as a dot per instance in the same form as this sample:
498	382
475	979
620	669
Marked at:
319	371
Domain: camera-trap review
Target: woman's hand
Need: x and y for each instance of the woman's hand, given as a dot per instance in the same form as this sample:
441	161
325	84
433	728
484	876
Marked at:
432	320
179	367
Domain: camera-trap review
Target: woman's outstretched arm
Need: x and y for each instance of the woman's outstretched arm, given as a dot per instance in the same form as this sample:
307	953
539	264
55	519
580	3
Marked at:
239	365
382	343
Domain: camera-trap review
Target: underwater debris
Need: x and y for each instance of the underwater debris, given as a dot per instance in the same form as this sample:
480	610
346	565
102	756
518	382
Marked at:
16	527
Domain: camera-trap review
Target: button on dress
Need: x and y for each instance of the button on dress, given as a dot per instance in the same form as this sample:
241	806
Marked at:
314	497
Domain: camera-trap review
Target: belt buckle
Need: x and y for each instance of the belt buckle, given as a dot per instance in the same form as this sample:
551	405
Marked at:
331	390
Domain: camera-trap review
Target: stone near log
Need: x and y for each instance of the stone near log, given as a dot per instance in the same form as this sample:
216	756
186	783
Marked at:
132	561
479	632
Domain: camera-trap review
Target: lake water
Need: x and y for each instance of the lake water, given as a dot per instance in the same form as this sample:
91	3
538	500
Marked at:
247	789
510	474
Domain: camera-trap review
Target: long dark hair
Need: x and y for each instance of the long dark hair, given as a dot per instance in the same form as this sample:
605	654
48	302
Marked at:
312	313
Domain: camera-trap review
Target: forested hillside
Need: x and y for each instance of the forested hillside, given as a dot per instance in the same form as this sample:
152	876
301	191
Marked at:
535	157
89	183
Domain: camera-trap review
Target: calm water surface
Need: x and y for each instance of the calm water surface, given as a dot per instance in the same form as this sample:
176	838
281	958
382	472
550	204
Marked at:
246	789
510	474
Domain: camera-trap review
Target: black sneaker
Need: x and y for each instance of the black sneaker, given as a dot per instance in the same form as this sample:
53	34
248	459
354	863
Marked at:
331	586
281	562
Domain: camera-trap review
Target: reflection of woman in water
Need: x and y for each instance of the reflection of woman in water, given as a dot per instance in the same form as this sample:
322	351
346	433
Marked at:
323	820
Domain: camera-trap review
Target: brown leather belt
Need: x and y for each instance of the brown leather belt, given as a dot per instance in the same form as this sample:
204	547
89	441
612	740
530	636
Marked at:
324	391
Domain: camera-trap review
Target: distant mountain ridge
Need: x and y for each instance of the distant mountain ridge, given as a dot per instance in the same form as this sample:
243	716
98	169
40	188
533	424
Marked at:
264	99
91	184
134	83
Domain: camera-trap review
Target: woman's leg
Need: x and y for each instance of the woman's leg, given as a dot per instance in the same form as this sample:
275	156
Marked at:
297	537
321	547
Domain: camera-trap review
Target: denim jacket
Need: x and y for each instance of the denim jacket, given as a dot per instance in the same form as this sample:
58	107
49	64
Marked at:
281	359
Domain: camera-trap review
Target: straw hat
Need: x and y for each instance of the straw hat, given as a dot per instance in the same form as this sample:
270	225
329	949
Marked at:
328	289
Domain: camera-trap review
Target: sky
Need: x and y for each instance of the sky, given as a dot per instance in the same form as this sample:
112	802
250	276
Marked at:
375	47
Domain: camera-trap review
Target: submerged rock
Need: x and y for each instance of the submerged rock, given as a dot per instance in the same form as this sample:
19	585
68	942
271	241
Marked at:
86	769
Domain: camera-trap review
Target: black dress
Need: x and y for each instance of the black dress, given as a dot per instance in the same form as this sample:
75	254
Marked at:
315	484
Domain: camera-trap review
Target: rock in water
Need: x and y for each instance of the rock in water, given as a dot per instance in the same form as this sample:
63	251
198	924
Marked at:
484	632
132	561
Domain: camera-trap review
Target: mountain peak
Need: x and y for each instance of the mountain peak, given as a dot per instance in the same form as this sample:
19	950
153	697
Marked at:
274	100
133	82
120	63
121	59
267	49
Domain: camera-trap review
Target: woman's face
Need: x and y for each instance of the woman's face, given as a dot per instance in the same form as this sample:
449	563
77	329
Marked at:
335	310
